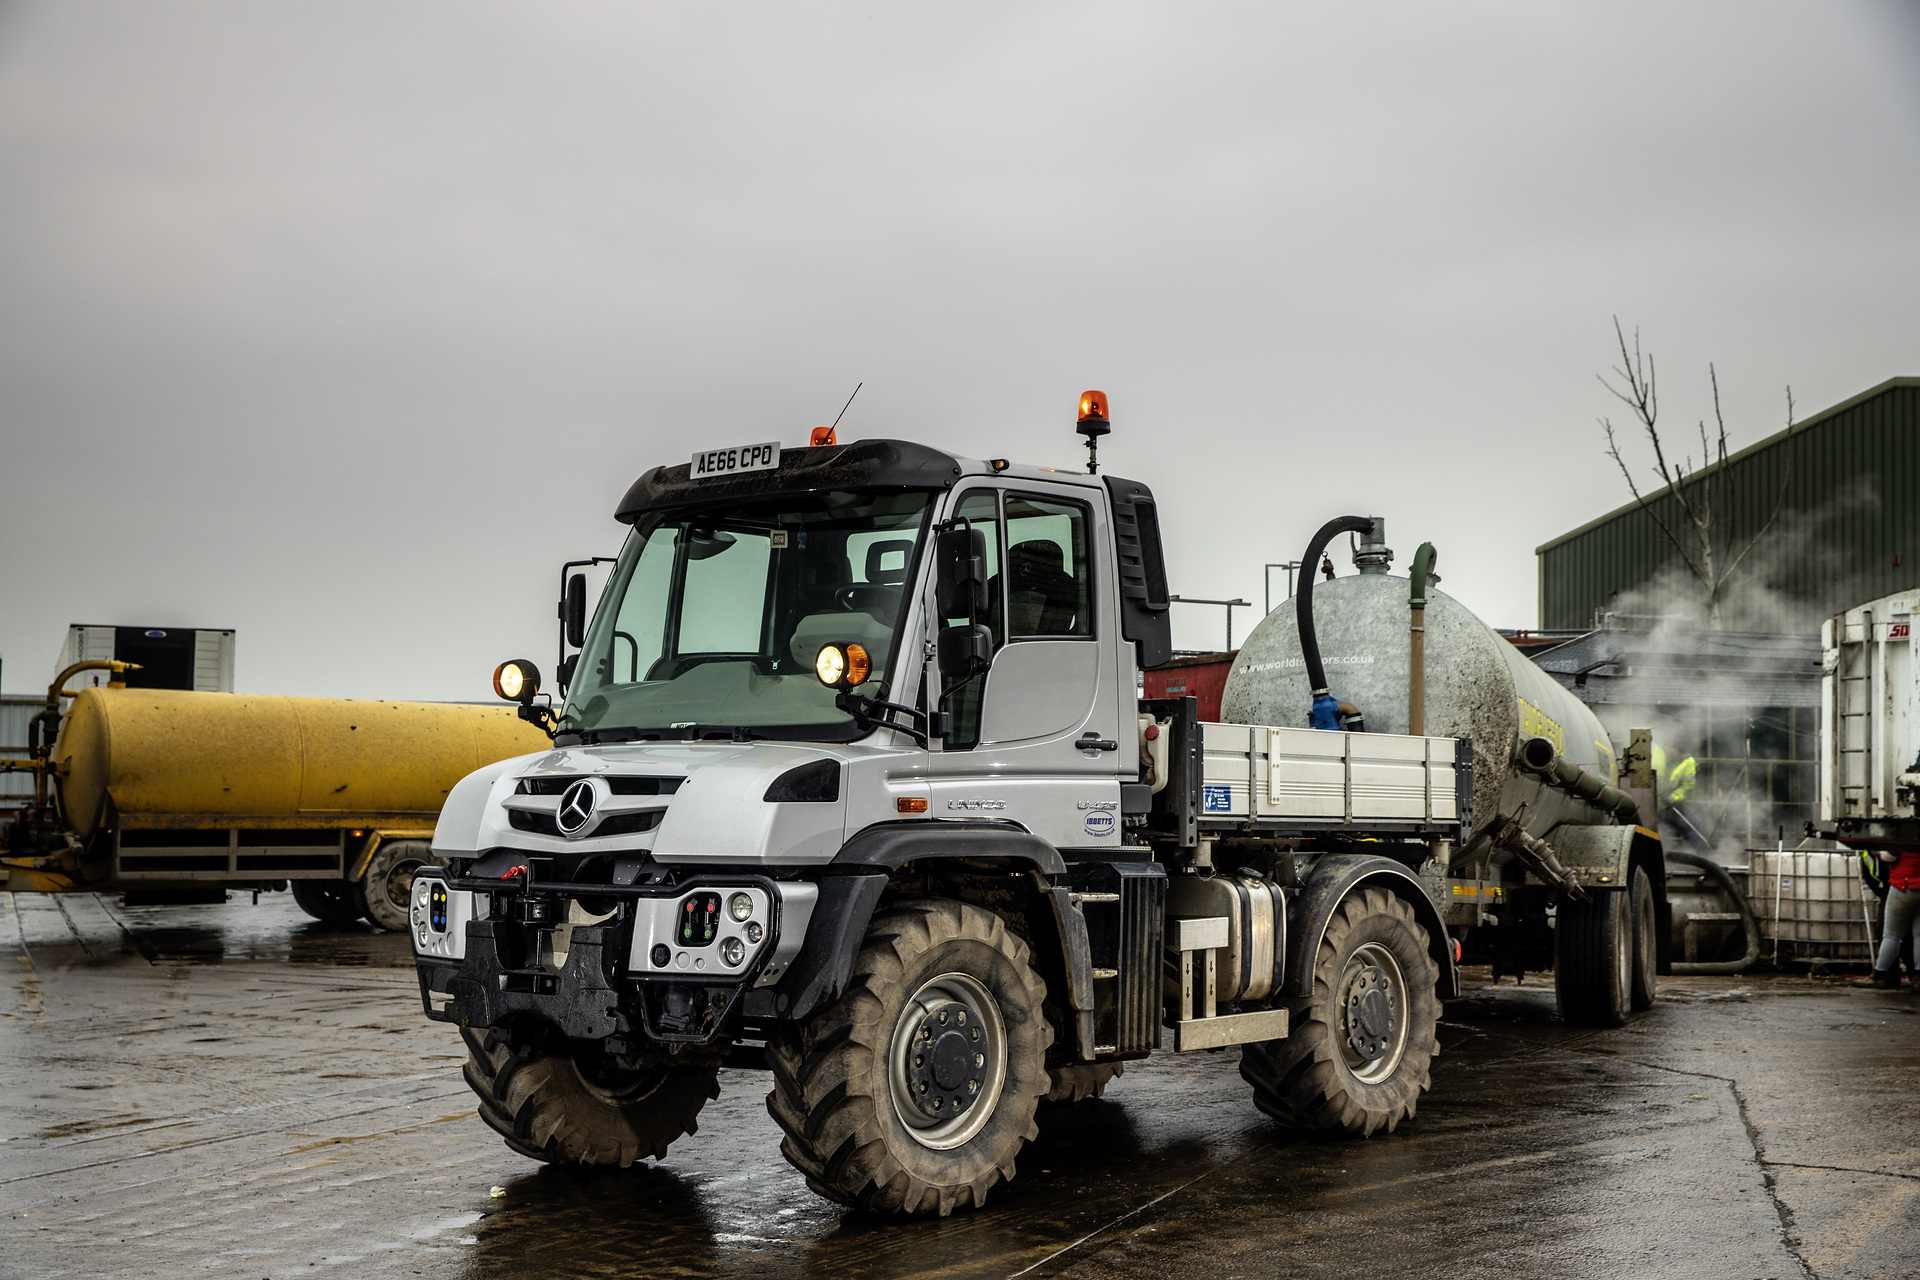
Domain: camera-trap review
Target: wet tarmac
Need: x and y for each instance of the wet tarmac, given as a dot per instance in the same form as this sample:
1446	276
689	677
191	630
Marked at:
240	1091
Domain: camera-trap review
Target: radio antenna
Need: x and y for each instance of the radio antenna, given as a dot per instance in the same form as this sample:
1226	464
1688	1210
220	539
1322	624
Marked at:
847	405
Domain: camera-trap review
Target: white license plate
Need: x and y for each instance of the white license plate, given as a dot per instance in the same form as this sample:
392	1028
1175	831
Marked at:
727	462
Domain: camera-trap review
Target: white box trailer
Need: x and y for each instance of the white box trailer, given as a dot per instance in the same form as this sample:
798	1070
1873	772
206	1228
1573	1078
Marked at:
1869	729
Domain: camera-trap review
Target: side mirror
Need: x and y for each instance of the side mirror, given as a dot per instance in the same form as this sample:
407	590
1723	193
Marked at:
964	652
574	610
960	575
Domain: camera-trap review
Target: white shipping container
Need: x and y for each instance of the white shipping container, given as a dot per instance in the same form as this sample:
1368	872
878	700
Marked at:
1869	731
212	655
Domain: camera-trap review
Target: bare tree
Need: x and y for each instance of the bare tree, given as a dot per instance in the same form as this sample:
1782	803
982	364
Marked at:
1701	535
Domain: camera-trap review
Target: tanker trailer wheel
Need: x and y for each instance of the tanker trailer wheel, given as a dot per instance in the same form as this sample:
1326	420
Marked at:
583	1111
915	1091
1593	948
331	900
1359	1049
384	894
1646	956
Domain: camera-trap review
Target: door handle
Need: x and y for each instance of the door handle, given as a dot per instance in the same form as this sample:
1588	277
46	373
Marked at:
1094	742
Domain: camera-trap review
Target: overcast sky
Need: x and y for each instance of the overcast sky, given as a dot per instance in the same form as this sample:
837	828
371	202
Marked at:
344	324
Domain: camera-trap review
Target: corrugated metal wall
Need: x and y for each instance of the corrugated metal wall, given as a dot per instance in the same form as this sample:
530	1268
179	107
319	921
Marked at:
1849	530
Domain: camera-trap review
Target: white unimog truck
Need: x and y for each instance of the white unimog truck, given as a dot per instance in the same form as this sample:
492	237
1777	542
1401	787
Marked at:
852	783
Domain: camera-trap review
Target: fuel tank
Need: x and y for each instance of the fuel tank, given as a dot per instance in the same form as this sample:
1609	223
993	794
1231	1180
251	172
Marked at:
171	758
1478	686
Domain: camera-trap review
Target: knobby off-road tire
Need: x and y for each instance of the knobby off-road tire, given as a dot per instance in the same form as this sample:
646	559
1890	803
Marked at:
1359	1050
384	894
547	1108
1646	939
1077	1081
329	900
866	1089
1593	959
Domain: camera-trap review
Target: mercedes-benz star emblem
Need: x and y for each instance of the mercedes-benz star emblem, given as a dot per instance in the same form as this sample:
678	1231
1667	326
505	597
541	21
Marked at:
576	808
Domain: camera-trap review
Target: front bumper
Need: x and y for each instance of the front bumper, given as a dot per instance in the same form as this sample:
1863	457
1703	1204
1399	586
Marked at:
489	951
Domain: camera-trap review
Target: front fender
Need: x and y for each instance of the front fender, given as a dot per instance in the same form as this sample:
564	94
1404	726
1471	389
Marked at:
1331	881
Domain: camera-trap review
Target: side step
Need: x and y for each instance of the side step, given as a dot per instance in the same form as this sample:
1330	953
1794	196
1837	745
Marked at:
1194	1022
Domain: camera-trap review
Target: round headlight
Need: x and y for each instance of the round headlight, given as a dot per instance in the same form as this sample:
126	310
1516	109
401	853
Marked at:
516	681
830	664
732	952
740	906
858	665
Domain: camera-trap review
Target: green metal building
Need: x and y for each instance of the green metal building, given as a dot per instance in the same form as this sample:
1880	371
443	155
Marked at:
1849	528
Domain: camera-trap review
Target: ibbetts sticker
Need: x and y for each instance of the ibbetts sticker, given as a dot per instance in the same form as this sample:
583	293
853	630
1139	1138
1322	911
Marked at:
1216	797
1099	825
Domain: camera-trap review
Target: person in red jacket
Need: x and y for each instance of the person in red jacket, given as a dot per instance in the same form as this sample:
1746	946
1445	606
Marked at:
1900	920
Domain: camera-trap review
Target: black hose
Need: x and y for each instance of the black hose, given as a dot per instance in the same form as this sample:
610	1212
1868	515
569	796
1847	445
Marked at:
1719	873
1303	601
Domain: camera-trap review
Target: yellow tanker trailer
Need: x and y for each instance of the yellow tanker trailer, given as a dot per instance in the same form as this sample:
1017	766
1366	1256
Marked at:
171	795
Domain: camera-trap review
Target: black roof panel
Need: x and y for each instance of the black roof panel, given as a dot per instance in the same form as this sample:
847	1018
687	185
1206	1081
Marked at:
863	464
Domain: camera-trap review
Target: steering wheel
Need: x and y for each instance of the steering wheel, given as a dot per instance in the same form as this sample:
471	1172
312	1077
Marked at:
864	597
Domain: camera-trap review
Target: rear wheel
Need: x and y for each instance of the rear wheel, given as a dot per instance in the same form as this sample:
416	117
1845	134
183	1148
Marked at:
329	900
565	1111
1359	1049
1646	957
384	894
915	1091
1593	959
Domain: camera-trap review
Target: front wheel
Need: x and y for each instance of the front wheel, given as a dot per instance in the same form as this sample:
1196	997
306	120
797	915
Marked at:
563	1110
915	1091
1359	1049
330	900
385	893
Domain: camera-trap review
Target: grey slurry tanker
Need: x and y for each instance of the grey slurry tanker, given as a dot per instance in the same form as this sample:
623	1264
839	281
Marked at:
851	783
1554	869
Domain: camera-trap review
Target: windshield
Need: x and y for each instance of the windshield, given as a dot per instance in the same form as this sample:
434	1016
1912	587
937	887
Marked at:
713	617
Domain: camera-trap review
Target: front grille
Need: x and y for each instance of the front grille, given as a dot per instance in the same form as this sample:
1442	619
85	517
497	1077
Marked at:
626	824
617	824
644	786
540	824
619	786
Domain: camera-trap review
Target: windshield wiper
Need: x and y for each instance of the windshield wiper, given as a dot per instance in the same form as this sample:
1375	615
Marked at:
616	733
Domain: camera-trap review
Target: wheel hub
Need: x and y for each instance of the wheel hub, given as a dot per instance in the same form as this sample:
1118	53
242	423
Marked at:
947	1060
1370	1013
948	1063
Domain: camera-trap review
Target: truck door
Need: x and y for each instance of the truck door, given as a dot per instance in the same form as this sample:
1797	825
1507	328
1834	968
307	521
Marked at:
1029	739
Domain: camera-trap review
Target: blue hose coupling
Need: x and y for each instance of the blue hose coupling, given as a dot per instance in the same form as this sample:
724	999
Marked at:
1325	713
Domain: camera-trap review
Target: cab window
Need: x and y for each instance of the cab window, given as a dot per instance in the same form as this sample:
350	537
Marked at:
1048	591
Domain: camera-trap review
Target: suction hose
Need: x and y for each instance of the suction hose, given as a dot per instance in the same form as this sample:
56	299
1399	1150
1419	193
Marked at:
1752	926
1324	713
1417	640
1539	756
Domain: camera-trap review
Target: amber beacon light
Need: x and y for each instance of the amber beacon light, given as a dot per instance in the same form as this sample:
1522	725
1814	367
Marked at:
1093	425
